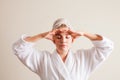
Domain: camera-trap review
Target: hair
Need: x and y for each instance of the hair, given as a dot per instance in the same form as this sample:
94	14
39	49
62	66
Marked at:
62	26
61	22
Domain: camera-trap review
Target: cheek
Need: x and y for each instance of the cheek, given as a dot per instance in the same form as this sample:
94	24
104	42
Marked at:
56	42
70	40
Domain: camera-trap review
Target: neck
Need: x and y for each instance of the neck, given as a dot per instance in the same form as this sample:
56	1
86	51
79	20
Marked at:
63	54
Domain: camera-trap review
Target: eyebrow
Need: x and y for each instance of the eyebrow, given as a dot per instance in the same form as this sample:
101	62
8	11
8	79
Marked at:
57	34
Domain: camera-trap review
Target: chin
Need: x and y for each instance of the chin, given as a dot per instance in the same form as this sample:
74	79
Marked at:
64	49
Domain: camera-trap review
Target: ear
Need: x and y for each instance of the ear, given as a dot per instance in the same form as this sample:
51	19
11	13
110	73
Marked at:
54	41
73	39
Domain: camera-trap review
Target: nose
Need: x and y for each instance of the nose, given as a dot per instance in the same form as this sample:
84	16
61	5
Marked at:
63	40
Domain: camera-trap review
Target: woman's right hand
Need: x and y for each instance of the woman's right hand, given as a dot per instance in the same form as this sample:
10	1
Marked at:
49	35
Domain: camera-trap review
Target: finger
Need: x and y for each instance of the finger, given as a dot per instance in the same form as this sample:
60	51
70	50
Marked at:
52	32
70	32
55	31
49	37
81	33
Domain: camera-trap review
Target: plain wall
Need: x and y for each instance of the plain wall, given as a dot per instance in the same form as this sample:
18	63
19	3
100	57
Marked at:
32	17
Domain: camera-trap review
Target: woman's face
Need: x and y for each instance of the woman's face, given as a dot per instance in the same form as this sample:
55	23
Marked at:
63	39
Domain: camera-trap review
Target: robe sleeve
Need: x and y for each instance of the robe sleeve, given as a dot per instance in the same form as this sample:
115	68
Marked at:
93	57
27	54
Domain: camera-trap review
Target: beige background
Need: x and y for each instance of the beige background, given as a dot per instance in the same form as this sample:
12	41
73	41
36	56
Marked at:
31	17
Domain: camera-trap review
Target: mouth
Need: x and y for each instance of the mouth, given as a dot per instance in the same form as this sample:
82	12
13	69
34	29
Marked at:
63	45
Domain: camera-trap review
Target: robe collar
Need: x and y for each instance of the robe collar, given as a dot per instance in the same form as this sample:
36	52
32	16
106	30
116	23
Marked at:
64	68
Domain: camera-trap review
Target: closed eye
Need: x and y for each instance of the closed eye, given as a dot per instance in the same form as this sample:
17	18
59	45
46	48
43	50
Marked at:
58	36
68	36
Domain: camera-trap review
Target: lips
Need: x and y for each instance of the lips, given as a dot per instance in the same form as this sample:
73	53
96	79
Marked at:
63	45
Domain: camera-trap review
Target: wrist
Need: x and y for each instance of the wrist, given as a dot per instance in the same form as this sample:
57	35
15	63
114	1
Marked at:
43	35
81	33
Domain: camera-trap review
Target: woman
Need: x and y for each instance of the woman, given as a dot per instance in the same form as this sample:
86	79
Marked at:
62	64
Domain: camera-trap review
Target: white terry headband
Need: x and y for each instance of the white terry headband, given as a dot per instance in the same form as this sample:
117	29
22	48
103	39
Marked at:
61	21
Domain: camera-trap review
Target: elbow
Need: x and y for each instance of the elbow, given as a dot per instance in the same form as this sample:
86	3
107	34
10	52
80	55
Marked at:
111	46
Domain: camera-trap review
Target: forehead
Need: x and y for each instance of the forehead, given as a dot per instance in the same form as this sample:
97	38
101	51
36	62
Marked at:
62	29
63	32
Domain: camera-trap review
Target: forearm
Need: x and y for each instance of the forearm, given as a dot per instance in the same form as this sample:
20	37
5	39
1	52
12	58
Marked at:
26	53
36	37
92	36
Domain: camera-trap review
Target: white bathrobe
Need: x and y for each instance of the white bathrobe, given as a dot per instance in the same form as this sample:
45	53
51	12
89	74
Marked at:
49	66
